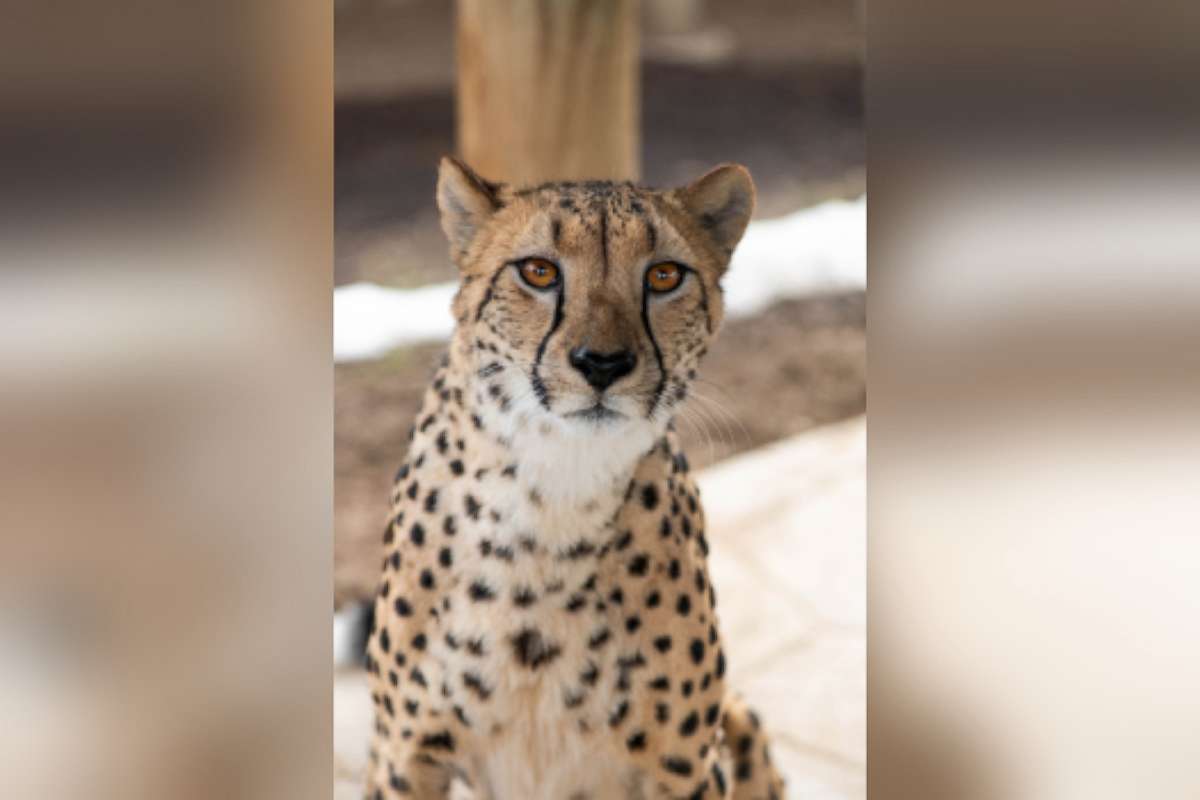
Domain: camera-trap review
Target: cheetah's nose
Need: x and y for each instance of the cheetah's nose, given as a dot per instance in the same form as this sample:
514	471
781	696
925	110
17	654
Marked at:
602	369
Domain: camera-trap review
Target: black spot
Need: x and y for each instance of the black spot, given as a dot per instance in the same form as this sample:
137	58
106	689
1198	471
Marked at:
576	602
481	592
683	605
653	600
686	688
677	765
623	540
745	770
438	741
449	526
660	684
697	651
431	501
427	581
524	597
580	549
664	528
475	683
413	489
417	534
618	714
472	506
719	779
616	596
445	557
712	715
650	496
662	644
399	783
385	641
419	641
674	569
636	742
633	623
418	677
456	466
590	675
532	650
598	639
475	647
631	662
689	725
720	670
411	706
639	565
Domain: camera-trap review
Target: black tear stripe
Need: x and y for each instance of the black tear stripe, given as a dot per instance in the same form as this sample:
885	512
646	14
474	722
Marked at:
604	238
662	370
539	388
487	295
704	305
555	231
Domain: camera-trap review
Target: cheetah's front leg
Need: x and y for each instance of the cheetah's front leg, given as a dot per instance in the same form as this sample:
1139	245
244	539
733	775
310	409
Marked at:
754	776
411	776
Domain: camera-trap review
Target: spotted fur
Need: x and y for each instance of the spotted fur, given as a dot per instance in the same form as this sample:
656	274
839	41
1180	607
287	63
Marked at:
545	626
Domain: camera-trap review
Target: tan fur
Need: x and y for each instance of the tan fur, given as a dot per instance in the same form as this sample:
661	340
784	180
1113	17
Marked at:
545	627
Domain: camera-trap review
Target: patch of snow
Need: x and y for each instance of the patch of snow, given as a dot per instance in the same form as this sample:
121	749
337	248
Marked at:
819	249
370	320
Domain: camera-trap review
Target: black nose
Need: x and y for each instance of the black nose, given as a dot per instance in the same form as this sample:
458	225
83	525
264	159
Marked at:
602	369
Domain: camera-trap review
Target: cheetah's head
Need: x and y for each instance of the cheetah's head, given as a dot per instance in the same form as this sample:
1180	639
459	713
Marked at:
590	303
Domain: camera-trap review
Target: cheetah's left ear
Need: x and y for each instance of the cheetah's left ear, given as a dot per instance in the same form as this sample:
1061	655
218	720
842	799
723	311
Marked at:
722	201
465	200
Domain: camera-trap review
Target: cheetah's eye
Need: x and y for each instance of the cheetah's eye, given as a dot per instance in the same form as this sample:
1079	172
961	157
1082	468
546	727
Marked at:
539	273
664	277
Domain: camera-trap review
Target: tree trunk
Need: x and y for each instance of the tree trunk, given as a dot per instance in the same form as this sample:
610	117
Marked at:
549	89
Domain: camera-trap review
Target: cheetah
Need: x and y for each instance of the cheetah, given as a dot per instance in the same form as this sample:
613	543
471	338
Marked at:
545	626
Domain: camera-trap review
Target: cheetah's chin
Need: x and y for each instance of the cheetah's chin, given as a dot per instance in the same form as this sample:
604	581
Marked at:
598	414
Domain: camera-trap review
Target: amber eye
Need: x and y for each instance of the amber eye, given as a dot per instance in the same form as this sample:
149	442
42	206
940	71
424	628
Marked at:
539	273
664	277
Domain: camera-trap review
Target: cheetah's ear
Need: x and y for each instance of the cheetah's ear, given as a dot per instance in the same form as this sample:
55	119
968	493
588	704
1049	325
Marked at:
722	201
465	201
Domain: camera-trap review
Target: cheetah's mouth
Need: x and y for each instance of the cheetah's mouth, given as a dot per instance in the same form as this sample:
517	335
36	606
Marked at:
596	413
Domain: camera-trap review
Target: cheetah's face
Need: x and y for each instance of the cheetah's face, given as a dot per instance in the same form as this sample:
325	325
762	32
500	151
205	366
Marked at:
591	302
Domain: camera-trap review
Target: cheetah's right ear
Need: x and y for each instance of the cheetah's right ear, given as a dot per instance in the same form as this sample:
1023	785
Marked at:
465	200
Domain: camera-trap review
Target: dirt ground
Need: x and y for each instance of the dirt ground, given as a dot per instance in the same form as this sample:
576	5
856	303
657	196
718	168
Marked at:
800	364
